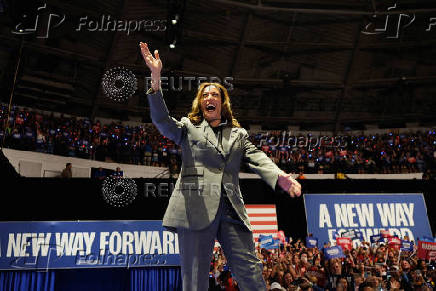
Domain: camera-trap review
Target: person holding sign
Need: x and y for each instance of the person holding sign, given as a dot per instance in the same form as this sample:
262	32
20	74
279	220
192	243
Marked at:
206	202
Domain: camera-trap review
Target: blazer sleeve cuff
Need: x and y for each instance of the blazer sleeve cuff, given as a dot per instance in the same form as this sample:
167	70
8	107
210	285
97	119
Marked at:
151	91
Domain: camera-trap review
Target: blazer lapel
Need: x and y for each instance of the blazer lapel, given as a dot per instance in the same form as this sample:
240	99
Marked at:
210	136
230	135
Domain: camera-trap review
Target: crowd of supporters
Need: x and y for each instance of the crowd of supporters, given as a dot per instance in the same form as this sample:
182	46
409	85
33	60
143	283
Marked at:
375	154
143	145
74	137
367	267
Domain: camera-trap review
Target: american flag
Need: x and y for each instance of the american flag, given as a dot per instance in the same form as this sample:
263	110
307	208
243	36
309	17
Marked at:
263	219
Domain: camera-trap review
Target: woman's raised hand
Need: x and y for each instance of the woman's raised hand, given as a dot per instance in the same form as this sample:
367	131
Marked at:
153	63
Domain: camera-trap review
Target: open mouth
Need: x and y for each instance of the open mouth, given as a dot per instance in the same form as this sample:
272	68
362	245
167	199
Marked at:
210	108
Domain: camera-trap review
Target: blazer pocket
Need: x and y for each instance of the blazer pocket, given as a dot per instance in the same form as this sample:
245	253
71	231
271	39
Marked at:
192	171
200	145
192	178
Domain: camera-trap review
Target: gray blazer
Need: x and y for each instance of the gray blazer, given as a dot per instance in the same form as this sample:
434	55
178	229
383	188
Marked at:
206	167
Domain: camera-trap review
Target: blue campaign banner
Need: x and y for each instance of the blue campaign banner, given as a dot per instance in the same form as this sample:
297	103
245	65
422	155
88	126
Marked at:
333	253
311	242
275	244
400	214
376	238
86	244
352	233
266	241
407	245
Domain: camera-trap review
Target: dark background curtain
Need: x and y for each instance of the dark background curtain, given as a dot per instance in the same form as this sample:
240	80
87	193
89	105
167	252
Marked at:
27	281
159	279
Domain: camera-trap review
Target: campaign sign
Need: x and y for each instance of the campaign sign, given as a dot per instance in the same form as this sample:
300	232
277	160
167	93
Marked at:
274	245
344	243
333	253
281	236
394	242
376	238
266	240
36	245
407	246
398	214
385	233
311	242
353	234
426	250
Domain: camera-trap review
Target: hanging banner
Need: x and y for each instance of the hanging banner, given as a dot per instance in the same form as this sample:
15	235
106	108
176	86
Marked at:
86	244
330	215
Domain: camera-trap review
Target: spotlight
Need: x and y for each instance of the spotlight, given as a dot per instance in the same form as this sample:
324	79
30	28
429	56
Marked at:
175	20
174	32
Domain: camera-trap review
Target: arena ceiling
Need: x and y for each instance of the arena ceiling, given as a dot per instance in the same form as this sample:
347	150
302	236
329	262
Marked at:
320	64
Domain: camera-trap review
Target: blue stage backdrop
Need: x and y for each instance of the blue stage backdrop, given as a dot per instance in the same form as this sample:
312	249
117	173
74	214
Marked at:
331	215
86	244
